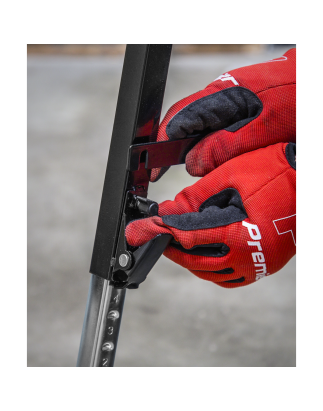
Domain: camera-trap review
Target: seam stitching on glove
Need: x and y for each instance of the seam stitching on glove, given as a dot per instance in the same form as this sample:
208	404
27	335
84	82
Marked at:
280	85
268	182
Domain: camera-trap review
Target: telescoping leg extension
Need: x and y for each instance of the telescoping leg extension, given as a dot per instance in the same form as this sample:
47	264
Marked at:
115	266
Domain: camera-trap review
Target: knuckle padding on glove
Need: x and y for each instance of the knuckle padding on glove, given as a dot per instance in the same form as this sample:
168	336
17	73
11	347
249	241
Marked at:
229	109
221	209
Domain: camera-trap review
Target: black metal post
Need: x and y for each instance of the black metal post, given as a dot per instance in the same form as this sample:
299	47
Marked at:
138	111
136	121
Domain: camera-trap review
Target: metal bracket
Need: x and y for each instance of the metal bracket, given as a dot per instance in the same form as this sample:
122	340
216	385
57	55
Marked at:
160	154
132	265
144	258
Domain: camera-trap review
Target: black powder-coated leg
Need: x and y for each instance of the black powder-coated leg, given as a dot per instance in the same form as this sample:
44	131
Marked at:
136	121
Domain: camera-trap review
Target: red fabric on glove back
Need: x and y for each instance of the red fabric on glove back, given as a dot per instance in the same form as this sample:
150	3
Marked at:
235	225
240	111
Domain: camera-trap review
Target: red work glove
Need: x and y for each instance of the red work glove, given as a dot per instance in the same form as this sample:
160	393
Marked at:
235	225
240	111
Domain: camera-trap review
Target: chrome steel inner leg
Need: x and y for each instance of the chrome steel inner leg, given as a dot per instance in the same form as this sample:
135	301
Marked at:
101	324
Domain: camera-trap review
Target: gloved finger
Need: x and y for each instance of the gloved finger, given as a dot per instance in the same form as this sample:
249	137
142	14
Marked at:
226	279
232	107
217	255
227	274
235	283
157	173
206	249
139	232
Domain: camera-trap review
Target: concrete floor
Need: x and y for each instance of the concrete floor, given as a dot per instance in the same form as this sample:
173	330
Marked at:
174	319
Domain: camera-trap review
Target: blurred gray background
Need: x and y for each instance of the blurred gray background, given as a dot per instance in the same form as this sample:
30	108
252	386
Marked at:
173	319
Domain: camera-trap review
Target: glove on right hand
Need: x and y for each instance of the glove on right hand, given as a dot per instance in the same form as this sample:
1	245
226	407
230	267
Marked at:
240	111
236	224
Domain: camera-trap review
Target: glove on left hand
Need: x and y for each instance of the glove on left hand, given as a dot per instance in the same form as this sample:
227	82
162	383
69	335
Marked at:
241	111
235	225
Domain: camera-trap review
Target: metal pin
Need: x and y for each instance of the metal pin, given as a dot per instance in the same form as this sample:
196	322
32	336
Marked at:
123	260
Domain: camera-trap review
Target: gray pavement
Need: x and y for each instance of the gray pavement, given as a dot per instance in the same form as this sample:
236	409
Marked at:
174	319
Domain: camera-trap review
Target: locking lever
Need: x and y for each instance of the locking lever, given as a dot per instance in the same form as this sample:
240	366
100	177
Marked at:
132	265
